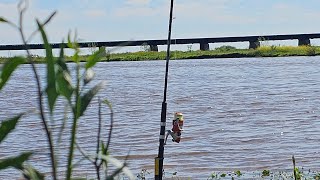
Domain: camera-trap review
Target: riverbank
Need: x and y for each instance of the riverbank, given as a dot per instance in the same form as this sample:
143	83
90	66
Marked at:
221	52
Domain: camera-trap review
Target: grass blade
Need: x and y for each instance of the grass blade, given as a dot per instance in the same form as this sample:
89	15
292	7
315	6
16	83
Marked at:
64	86
86	98
31	173
63	77
3	20
46	22
15	162
51	79
95	57
49	18
7	126
8	68
61	62
74	45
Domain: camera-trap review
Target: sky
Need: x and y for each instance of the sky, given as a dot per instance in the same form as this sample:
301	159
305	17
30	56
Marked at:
109	20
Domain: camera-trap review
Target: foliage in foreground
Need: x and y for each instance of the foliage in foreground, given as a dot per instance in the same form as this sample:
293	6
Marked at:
72	88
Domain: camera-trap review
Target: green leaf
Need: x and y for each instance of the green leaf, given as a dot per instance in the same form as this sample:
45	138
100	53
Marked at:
73	44
70	44
102	147
52	96
7	126
49	18
63	77
61	62
8	68
3	20
51	79
64	85
95	57
238	173
86	98
107	103
15	162
31	173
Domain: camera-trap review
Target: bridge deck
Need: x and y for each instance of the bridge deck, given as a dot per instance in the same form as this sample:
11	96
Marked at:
173	41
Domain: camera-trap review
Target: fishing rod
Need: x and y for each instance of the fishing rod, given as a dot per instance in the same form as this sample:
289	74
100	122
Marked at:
159	160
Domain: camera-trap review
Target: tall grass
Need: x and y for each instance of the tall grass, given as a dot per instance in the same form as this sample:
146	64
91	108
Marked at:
273	51
222	52
73	89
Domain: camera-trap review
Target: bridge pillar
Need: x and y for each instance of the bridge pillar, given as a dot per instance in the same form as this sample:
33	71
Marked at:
304	42
254	44
154	48
204	47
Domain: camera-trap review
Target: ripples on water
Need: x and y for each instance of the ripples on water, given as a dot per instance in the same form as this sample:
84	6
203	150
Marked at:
249	114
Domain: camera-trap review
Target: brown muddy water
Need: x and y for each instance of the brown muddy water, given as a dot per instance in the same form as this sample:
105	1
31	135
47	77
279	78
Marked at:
249	114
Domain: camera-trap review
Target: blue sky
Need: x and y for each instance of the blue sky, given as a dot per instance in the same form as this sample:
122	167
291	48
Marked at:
107	20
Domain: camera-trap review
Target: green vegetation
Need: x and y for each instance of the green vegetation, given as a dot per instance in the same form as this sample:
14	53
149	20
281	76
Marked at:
296	174
220	52
277	51
225	48
238	173
265	173
75	91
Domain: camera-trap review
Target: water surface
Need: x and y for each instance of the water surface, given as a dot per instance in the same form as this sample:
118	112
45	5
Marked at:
249	114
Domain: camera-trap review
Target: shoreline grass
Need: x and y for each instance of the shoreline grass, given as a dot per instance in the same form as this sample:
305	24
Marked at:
221	52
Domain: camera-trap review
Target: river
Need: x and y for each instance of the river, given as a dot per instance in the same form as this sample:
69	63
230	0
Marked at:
249	114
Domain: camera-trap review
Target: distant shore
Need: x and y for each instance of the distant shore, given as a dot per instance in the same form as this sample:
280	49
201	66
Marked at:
221	52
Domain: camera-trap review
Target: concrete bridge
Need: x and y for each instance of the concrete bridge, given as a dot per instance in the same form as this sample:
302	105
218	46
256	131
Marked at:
254	42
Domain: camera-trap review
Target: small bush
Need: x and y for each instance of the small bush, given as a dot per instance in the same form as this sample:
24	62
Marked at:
225	48
265	173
